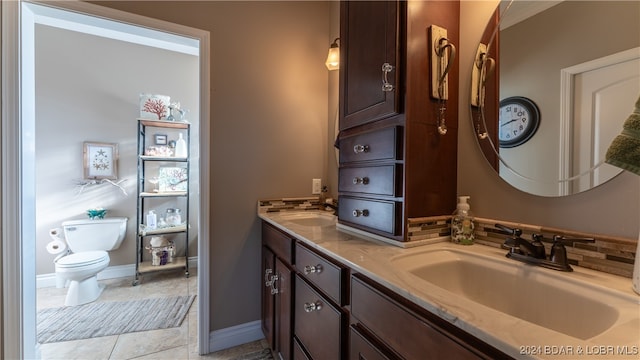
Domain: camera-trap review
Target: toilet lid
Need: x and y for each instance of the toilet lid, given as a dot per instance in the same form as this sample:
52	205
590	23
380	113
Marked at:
82	258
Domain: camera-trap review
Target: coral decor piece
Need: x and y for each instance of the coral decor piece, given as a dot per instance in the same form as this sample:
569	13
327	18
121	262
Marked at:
155	106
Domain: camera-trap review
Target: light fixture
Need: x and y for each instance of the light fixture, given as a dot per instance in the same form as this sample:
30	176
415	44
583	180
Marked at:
333	58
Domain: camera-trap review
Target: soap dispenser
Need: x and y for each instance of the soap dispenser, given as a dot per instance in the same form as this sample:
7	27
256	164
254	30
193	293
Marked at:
462	225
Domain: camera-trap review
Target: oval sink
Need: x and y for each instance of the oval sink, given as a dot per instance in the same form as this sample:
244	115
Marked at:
544	297
310	219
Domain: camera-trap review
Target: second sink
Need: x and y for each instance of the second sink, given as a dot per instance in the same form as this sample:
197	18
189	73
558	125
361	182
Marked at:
531	294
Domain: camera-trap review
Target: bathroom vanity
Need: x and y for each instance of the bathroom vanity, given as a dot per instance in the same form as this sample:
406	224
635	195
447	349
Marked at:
350	297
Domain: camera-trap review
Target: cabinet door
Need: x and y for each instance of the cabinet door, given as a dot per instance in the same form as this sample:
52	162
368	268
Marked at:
369	39
283	308
318	324
268	319
361	348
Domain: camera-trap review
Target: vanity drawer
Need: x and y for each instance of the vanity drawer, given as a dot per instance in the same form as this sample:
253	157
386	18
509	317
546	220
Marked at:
318	325
376	214
408	334
380	144
325	275
278	242
379	180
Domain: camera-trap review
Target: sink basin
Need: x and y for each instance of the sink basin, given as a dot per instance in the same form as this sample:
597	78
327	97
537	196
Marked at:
540	296
310	219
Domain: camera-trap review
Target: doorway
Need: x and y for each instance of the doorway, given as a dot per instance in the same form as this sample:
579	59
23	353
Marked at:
18	139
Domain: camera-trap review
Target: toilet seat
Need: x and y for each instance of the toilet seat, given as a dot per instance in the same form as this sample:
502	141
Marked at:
82	259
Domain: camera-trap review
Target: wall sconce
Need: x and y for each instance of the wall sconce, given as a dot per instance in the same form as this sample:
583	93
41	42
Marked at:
333	58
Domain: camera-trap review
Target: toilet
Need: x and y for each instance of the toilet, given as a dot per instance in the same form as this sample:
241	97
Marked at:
88	240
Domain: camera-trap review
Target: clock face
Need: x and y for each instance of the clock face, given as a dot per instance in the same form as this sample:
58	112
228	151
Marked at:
519	120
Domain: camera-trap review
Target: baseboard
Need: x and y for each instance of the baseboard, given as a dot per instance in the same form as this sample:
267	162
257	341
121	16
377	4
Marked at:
111	272
235	335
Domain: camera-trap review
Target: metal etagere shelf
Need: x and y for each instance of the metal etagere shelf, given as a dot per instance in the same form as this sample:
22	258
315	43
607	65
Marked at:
146	197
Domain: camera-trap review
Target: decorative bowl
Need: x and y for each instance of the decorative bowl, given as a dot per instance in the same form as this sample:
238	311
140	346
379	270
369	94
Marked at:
94	214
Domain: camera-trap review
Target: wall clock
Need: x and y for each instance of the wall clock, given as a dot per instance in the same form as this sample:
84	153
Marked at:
519	120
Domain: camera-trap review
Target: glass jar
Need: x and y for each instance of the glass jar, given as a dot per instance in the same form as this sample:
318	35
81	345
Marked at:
173	217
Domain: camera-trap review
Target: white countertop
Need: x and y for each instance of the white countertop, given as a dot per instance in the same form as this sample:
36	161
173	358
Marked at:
515	337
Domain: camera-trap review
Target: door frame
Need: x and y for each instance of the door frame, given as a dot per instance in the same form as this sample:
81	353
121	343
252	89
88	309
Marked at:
17	270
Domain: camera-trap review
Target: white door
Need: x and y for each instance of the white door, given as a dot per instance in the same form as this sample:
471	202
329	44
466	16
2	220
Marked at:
603	99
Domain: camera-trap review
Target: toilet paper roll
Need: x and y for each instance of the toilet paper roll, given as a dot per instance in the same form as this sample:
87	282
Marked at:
55	233
56	247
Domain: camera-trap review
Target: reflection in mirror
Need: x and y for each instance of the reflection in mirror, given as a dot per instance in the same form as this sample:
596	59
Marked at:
579	63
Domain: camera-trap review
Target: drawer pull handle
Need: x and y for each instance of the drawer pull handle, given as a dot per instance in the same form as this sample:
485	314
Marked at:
386	69
360	180
311	307
358	149
267	279
274	289
310	269
358	213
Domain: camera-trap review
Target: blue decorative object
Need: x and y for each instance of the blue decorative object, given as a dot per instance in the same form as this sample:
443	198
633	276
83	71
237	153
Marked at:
95	214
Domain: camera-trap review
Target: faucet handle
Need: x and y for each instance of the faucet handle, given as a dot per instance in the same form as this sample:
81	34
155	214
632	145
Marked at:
558	253
559	239
511	231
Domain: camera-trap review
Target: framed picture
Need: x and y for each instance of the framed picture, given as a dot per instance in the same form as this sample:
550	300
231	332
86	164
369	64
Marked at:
161	139
100	160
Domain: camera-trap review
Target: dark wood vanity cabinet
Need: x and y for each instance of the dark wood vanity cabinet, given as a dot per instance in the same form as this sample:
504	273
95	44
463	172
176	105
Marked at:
318	309
386	326
394	164
303	299
321	292
277	291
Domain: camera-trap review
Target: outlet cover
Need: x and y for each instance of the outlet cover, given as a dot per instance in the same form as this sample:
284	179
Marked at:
316	186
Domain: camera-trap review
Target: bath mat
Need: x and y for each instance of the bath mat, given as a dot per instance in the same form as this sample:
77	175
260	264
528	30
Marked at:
264	354
111	318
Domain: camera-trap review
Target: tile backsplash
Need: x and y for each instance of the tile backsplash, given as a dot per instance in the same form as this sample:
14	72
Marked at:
610	254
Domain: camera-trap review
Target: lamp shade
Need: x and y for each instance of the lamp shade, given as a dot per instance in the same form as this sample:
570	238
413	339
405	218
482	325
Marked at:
333	58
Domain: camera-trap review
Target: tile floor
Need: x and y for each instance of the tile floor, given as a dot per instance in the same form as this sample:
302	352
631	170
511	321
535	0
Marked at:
176	343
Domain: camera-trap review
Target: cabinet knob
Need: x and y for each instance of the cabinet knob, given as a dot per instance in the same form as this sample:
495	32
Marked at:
358	149
360	180
310	269
358	213
386	69
311	307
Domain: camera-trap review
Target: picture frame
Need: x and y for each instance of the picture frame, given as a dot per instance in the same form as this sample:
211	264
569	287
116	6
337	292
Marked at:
160	139
100	160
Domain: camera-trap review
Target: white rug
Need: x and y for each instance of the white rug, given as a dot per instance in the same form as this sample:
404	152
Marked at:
111	318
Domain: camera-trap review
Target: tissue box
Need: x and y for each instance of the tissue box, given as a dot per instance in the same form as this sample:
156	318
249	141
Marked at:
172	179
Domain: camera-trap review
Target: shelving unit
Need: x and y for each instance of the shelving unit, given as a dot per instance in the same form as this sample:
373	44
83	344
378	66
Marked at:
149	198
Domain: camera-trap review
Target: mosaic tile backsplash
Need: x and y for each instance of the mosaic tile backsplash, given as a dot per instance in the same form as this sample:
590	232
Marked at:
610	254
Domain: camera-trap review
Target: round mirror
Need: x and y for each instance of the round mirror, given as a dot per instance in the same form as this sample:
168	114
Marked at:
552	84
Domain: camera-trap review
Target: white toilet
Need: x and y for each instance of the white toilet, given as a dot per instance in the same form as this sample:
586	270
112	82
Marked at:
89	241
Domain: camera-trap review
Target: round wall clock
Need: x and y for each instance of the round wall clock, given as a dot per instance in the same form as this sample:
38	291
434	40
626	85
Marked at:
519	120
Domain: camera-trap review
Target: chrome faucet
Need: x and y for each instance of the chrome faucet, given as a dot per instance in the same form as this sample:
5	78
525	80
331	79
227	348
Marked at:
533	252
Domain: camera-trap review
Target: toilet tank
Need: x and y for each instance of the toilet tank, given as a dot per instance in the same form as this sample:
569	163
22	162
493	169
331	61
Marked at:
101	234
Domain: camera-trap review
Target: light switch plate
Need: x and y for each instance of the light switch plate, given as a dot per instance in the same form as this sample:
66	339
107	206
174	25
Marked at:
438	63
316	186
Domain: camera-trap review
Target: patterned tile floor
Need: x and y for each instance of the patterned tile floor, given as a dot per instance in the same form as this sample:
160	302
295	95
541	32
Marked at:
176	344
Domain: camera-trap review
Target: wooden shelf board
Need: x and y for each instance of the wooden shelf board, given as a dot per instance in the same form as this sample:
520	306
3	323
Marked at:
178	262
164	123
